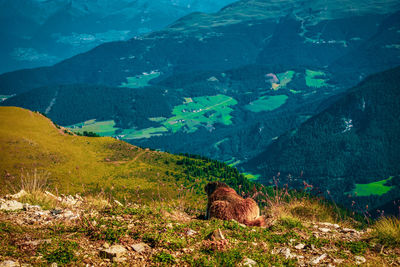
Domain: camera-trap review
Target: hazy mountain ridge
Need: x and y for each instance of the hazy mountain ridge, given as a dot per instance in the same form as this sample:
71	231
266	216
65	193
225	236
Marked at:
40	33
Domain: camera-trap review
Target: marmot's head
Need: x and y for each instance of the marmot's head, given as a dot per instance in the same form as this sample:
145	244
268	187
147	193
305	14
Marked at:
212	186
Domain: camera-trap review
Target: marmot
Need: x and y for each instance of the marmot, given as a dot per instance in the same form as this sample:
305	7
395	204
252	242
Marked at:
225	204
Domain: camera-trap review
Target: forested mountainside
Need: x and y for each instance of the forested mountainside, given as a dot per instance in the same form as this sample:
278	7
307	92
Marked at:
351	148
40	33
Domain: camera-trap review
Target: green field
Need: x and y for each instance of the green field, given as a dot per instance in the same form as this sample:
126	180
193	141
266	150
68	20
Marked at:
250	176
376	188
294	91
157	119
313	79
233	162
285	77
102	128
202	111
267	103
140	80
143	133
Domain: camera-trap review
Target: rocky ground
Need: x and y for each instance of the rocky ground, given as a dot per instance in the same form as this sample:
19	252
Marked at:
79	231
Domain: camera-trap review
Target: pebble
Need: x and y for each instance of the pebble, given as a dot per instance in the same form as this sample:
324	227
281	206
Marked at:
316	260
139	247
115	253
360	260
217	235
325	230
300	246
249	262
10	205
191	232
9	263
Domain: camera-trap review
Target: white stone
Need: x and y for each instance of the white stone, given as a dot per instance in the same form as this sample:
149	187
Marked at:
217	235
115	251
316	260
9	263
191	232
139	247
249	262
11	205
325	230
20	194
300	246
360	260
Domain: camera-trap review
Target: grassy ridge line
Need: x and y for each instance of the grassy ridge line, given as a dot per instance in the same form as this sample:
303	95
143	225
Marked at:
28	141
75	164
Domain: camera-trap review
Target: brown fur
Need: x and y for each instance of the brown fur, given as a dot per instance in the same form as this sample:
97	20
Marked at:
225	204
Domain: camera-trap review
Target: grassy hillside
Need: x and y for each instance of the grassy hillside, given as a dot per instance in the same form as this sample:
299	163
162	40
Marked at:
30	143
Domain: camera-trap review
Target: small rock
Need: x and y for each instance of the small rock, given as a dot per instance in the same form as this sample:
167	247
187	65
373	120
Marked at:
191	232
360	260
217	235
9	263
69	215
249	262
11	205
316	260
284	251
114	253
330	225
300	246
28	207
106	245
139	247
169	225
325	230
54	264
20	194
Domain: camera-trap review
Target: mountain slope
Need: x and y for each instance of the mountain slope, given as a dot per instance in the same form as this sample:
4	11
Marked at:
31	143
349	145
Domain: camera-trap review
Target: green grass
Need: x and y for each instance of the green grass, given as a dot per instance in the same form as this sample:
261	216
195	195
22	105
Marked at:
128	134
267	103
157	119
140	80
313	79
376	188
285	77
102	128
202	111
250	176
30	141
232	162
294	91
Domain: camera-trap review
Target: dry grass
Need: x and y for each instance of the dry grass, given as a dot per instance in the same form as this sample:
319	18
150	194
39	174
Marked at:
387	231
